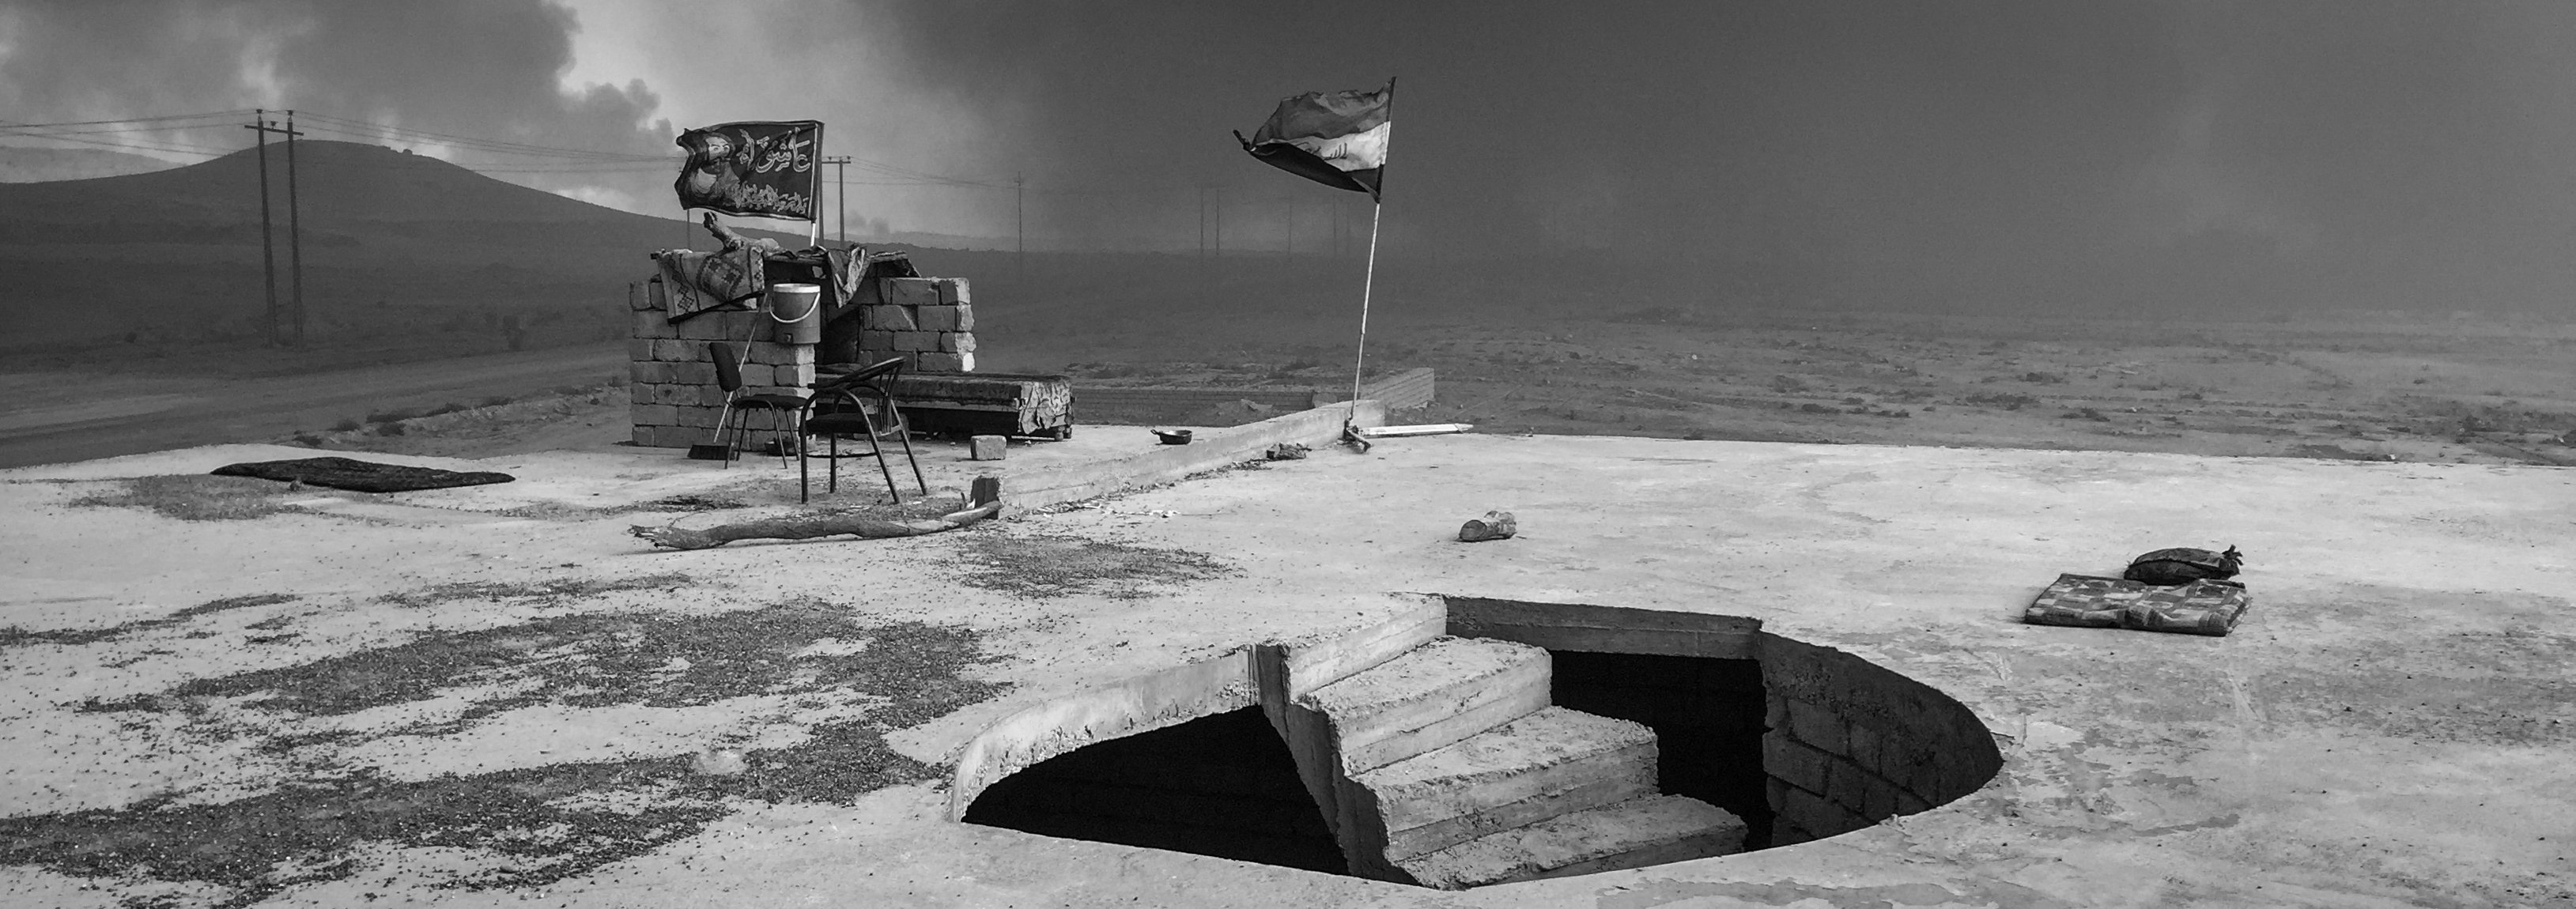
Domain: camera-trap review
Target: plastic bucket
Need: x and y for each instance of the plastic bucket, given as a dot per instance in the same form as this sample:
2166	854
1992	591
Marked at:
798	310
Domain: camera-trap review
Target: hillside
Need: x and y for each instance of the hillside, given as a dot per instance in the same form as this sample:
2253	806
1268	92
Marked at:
394	244
28	165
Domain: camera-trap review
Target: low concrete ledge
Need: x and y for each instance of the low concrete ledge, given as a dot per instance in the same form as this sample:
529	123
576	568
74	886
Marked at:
1216	449
1124	708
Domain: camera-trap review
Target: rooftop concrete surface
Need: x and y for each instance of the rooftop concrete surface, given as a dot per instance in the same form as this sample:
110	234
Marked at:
2392	724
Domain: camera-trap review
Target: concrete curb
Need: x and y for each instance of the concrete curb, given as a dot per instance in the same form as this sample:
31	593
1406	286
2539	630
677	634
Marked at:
1216	449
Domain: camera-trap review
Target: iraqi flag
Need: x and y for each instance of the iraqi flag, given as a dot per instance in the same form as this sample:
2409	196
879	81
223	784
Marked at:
1337	139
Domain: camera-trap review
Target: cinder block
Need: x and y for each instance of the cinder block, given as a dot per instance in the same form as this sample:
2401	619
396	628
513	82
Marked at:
647	372
1775	712
987	448
652	414
766	352
1878	799
1847	786
934	318
1817	726
889	318
677	351
966	362
754	374
957	342
693	373
710	327
1808	810
1923	775
1793	763
640	349
1909	803
642	435
1866	747
795	378
677	436
1773	791
911	291
952	291
916	341
648	323
965	317
657	295
699	417
933	361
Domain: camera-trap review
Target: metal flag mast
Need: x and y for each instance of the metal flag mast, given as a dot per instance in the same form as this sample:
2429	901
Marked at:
814	197
1377	209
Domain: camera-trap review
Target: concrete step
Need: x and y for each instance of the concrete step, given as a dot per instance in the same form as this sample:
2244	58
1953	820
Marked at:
1632	834
1428	698
1550	763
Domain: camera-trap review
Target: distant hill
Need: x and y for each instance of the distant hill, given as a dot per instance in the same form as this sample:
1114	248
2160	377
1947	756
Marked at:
175	254
29	165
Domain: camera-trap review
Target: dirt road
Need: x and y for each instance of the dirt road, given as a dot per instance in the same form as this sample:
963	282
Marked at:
52	417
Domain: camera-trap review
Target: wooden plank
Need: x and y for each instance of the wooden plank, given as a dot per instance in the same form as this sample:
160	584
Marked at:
1425	429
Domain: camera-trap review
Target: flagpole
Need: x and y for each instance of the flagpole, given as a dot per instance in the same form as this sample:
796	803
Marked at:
1376	208
814	195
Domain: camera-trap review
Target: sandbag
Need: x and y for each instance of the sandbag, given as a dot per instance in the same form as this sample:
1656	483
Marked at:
2183	565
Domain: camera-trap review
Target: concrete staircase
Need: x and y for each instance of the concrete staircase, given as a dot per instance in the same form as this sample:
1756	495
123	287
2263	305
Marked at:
1441	762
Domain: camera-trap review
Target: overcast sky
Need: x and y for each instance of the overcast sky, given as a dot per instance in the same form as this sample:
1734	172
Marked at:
2350	148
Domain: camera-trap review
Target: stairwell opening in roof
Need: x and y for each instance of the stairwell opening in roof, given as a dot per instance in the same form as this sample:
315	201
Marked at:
1479	741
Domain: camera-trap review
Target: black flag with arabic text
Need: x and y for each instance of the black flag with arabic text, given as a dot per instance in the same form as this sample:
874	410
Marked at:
1338	139
753	169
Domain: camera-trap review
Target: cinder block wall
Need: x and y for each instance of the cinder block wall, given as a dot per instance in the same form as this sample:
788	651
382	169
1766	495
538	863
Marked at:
675	399
929	323
1851	743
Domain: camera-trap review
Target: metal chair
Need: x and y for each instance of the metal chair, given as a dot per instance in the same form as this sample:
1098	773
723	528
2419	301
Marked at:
851	405
785	411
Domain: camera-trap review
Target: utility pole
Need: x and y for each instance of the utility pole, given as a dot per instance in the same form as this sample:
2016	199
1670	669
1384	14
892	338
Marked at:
1203	264
267	236
294	230
841	190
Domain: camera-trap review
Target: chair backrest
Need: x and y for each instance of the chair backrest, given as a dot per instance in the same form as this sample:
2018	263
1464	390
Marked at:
728	373
882	369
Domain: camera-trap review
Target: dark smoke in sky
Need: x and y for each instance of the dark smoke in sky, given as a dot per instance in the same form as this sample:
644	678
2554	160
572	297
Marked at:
2025	156
480	68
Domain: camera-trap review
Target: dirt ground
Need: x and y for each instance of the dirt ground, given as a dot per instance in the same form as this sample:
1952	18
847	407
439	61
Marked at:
2394	390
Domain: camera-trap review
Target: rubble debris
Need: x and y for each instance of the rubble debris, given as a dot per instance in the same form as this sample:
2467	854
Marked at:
1286	451
988	448
1495	525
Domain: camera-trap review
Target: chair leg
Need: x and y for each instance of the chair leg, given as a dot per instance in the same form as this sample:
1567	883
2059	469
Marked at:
779	422
804	474
878	452
904	433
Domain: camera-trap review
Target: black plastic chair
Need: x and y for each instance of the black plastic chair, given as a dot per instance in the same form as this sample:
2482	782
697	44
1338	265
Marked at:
851	405
785	411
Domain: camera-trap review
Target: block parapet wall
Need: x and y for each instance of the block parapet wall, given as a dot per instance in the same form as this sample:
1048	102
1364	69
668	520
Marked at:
928	323
676	401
